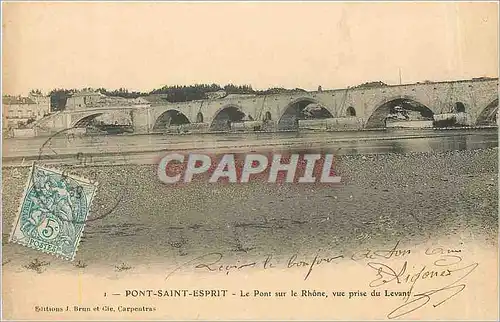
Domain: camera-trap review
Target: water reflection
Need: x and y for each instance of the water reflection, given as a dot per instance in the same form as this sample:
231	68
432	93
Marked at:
452	143
364	142
414	145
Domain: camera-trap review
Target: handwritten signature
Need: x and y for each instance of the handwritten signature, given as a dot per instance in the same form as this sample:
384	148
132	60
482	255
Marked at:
213	262
448	264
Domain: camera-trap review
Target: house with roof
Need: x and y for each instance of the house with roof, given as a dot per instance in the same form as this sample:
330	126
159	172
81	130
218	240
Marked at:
18	111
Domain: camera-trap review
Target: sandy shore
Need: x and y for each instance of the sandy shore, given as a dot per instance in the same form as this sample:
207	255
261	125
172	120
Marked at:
410	198
420	205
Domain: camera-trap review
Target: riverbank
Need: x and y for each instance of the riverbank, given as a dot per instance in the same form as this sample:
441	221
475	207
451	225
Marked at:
412	198
232	132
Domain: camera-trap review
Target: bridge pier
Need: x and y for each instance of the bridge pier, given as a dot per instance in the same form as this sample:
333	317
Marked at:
182	128
141	120
270	126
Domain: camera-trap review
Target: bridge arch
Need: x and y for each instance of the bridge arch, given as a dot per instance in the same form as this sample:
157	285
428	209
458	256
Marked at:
106	116
380	113
225	116
86	120
489	114
170	117
298	109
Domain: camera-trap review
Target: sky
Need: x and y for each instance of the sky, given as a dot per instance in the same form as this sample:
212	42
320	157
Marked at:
142	46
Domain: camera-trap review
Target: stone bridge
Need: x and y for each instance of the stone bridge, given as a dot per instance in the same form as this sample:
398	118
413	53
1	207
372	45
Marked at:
370	106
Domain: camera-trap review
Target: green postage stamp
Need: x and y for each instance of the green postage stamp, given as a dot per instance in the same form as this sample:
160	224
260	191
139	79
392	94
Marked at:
53	212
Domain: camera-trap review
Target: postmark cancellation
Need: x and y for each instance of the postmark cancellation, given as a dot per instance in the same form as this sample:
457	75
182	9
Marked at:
53	211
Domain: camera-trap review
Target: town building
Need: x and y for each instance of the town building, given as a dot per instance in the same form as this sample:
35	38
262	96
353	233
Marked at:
82	99
17	111
93	99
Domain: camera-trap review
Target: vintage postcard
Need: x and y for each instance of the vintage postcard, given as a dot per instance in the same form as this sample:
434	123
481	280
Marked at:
250	161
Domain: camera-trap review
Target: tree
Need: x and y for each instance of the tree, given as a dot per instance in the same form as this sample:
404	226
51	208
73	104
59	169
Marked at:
58	98
35	92
122	92
235	89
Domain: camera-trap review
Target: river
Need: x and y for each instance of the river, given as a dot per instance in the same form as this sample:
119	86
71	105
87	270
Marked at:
144	149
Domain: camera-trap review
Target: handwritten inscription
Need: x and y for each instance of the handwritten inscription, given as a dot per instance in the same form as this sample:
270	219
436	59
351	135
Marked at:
213	262
292	262
381	253
391	267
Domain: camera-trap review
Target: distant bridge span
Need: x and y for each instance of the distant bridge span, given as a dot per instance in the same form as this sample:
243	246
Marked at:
477	97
